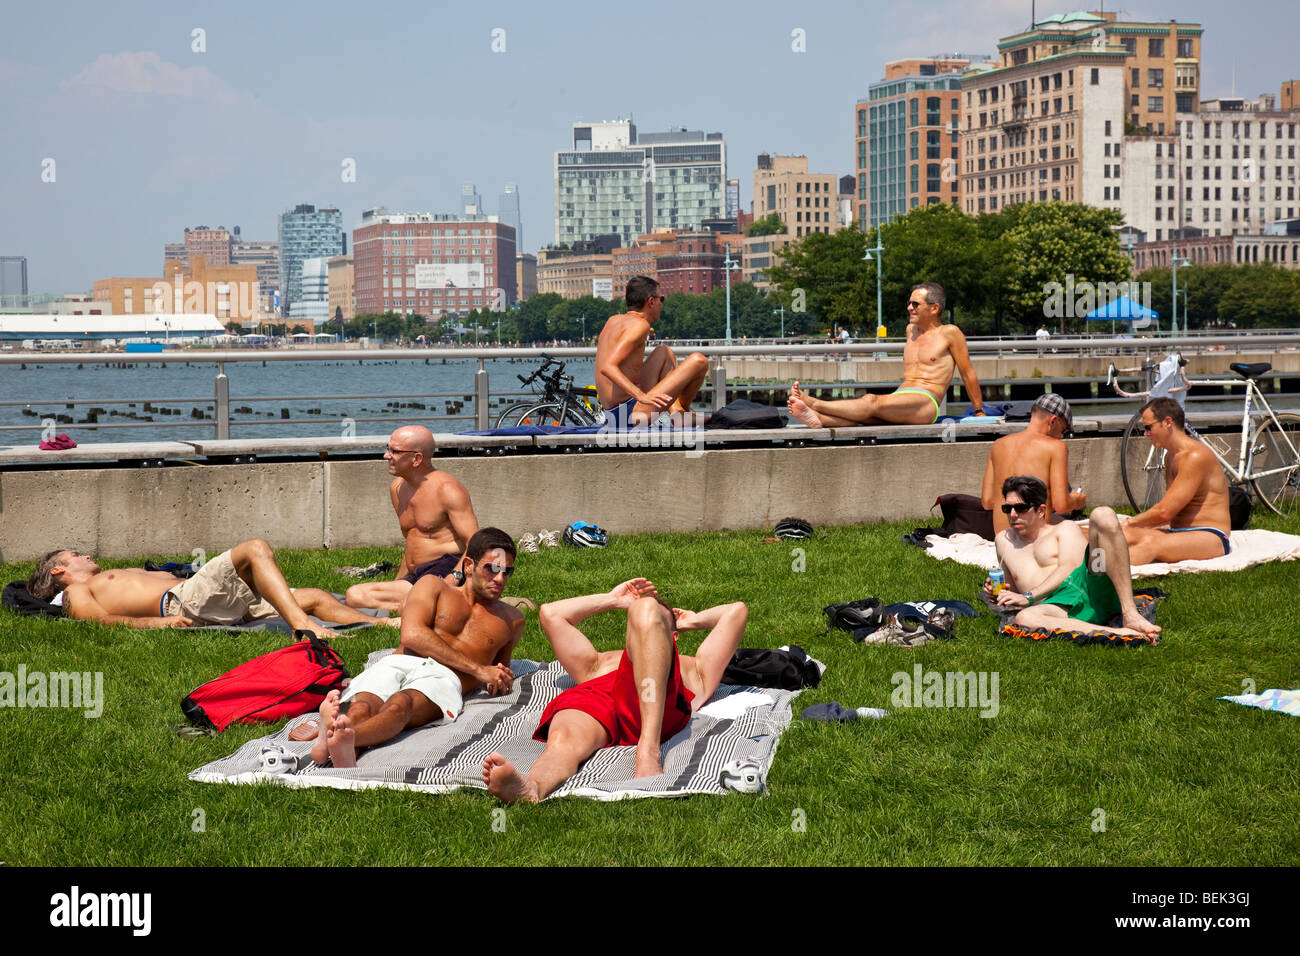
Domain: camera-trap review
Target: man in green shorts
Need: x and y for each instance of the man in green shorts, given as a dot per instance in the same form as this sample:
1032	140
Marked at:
933	353
1061	578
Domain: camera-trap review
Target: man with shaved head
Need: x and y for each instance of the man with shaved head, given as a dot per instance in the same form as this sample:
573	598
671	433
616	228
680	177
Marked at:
433	511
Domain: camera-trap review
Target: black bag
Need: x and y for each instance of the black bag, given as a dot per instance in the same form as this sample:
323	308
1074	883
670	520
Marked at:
788	670
745	414
855	615
1240	506
17	598
963	514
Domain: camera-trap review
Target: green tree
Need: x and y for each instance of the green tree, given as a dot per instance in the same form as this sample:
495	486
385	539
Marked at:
825	276
1261	296
769	225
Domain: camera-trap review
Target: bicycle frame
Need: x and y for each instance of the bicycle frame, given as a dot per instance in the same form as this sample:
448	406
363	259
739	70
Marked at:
1245	452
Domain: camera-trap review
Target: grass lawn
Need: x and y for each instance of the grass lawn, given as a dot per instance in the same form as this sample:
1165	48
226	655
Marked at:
1135	734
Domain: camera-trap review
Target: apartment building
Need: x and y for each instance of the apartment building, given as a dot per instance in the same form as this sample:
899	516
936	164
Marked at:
806	202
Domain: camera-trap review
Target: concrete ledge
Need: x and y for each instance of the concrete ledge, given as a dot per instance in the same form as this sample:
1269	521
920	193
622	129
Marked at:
119	512
98	451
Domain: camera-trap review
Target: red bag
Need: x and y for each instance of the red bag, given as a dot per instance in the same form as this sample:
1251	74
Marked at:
284	683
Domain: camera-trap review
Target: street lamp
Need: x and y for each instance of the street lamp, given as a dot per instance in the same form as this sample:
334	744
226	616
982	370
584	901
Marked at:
584	328
1176	261
727	264
782	313
879	250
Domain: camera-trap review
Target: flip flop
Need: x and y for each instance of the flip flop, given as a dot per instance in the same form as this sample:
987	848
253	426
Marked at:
307	730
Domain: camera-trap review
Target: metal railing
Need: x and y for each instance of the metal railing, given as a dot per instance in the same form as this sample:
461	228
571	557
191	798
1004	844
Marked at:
715	388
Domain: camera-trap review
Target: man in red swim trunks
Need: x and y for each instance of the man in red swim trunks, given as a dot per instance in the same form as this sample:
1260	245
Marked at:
638	696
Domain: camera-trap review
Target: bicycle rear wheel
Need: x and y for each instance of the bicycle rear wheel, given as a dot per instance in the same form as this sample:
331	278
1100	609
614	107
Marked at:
510	417
1278	448
1142	466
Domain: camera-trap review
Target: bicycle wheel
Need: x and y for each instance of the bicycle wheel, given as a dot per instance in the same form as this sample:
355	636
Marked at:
1142	466
510	417
1278	448
549	414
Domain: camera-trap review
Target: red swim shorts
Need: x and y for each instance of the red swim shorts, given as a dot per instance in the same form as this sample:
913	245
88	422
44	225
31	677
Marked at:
612	699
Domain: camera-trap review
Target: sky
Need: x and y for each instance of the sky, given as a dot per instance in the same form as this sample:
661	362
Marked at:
120	125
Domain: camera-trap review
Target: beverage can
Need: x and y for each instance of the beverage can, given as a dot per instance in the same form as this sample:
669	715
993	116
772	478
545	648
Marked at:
998	580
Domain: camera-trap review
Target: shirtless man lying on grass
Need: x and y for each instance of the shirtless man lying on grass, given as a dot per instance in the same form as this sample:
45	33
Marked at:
1061	578
455	637
242	584
639	696
932	354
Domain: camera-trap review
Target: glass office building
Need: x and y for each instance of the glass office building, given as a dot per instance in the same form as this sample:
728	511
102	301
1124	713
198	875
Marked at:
306	232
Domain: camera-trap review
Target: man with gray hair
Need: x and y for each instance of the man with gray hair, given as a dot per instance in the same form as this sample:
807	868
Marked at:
933	353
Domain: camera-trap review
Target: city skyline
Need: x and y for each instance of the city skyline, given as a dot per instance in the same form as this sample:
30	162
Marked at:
152	127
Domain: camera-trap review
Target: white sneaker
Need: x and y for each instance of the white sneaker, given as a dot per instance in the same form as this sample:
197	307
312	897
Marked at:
550	539
528	543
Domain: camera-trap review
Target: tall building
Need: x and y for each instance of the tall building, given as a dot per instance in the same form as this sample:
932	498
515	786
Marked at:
264	255
526	275
614	181
471	203
306	232
1074	109
733	198
907	138
13	280
508	213
313	302
342	288
432	264
806	202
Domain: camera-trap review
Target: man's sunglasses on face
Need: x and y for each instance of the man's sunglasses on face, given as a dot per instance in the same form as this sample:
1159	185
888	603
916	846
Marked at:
494	569
1018	508
399	451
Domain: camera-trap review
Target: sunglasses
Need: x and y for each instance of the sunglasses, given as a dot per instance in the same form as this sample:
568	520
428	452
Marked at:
494	569
1018	509
915	305
399	451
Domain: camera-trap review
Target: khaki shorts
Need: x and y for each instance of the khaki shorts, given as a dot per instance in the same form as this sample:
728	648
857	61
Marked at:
216	595
388	675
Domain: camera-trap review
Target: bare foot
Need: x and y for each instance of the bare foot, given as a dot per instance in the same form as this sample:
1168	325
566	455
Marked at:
322	632
329	712
507	783
801	412
648	763
1139	624
391	621
342	741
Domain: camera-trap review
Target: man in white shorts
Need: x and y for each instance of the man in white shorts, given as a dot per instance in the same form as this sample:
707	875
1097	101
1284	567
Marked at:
455	637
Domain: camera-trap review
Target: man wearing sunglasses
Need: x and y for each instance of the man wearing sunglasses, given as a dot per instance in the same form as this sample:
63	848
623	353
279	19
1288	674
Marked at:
457	635
639	696
1059	577
1192	521
635	389
433	511
932	354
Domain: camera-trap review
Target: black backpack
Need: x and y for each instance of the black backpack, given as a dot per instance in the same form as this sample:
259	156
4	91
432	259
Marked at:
787	669
1240	506
745	414
16	598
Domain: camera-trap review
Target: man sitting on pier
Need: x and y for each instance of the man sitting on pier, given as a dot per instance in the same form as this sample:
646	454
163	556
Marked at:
1060	577
433	511
242	584
1037	451
1192	520
932	354
639	696
636	389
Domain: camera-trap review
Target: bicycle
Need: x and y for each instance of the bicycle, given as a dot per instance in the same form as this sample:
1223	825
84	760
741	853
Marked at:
1267	452
557	403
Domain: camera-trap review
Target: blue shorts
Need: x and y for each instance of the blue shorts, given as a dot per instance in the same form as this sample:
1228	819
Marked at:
619	417
1227	548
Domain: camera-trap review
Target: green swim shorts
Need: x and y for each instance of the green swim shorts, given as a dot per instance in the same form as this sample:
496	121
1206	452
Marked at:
1086	596
921	391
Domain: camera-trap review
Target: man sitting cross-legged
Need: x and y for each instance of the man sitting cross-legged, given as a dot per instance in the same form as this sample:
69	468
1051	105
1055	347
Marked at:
454	638
638	696
1059	577
242	584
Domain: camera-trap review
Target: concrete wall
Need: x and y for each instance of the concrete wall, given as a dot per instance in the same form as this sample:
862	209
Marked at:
124	512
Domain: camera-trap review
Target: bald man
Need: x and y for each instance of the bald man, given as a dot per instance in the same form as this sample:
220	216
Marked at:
433	511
